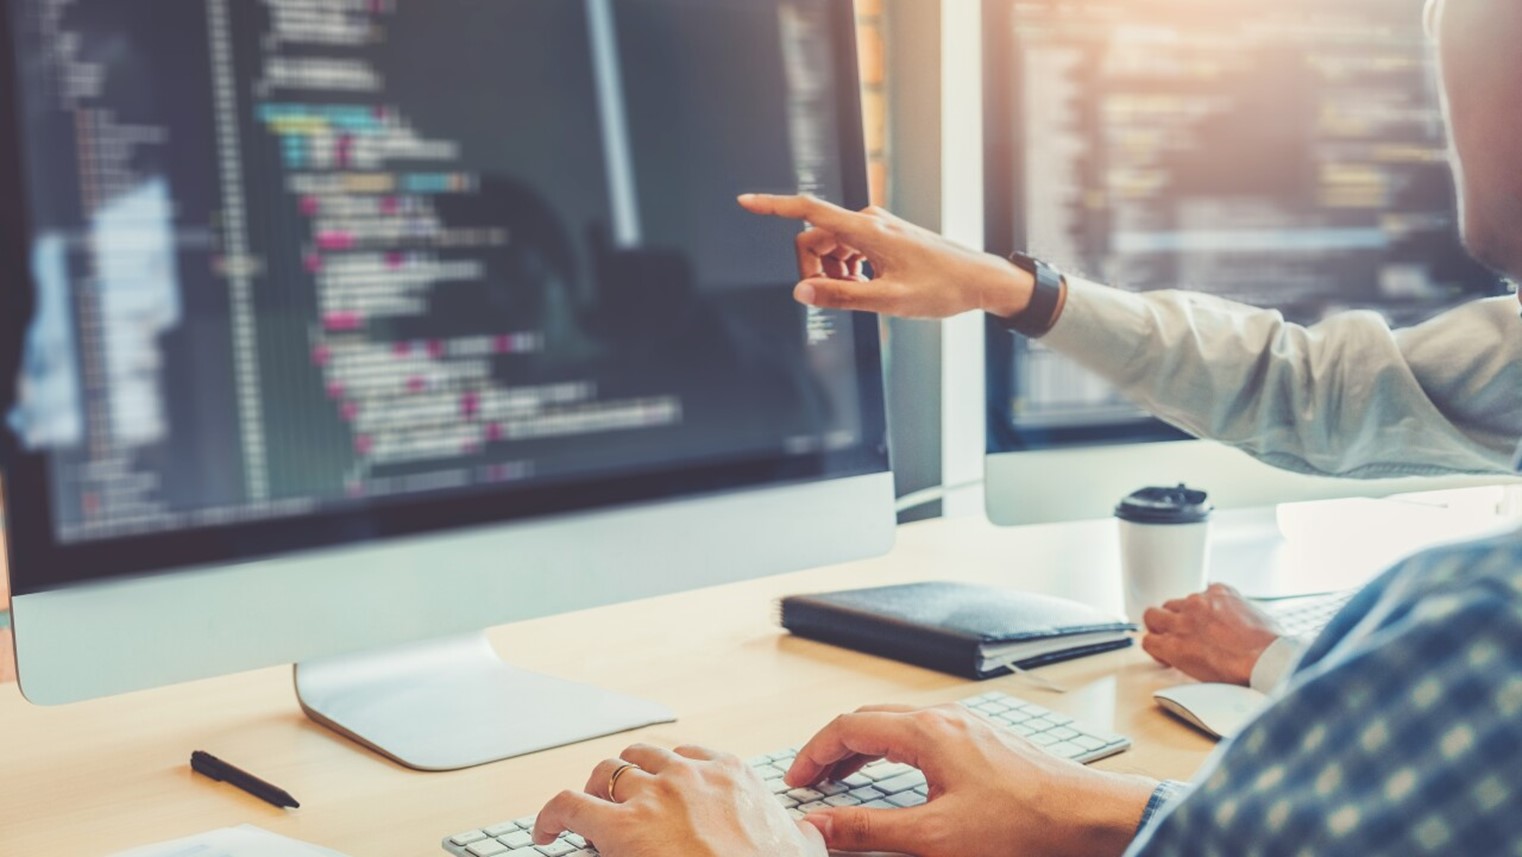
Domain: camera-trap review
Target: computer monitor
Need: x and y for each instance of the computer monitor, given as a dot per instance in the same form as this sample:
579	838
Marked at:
1287	154
365	324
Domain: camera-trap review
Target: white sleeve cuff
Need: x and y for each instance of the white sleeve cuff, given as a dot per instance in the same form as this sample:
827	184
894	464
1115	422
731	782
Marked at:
1276	663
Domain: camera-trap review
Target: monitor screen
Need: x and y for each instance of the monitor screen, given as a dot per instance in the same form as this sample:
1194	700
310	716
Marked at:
310	273
1286	154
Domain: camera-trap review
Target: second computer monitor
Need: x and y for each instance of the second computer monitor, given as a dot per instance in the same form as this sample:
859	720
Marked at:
1287	154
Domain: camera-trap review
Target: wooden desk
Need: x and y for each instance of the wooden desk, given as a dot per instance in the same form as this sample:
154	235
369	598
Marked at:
102	776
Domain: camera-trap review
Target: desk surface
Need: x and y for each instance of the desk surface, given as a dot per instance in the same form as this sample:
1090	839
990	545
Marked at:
106	775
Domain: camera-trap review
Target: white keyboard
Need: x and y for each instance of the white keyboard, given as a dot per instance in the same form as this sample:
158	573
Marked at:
880	785
1305	615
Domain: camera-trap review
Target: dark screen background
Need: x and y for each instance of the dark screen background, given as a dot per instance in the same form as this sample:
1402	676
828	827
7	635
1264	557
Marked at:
435	306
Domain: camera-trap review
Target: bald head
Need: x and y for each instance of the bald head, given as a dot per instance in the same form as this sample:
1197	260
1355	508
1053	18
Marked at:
1479	46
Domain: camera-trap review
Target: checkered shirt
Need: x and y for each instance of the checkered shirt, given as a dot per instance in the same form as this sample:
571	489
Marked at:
1400	731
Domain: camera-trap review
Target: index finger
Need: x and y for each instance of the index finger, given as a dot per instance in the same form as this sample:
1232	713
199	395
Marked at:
891	735
577	812
855	762
1159	621
801	207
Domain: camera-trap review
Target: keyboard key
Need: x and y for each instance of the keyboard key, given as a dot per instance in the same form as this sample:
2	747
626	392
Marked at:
856	781
804	795
906	799
843	800
576	840
1064	733
1088	742
900	783
885	770
776	786
500	829
865	794
469	836
813	807
768	772
787	802
831	788
558	848
486	848
879	804
1065	749
517	839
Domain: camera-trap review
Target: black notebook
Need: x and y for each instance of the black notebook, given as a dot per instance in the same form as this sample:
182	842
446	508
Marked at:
969	630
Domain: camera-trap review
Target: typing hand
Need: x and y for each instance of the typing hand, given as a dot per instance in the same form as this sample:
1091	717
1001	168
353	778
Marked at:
918	274
689	801
991	792
1215	635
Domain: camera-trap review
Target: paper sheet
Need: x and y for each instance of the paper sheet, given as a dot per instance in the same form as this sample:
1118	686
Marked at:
245	841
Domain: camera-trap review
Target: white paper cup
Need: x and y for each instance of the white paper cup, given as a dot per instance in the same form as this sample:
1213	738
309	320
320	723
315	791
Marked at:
1164	546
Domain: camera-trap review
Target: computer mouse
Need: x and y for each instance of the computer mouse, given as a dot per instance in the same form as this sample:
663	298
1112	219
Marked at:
1219	710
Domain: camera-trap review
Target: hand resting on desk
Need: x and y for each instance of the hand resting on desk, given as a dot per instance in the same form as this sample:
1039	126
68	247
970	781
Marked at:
1214	636
991	793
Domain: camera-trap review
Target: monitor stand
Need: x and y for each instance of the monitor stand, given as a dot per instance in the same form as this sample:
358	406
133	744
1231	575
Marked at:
448	704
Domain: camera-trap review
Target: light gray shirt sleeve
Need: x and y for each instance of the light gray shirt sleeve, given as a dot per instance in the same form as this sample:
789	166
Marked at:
1276	663
1346	397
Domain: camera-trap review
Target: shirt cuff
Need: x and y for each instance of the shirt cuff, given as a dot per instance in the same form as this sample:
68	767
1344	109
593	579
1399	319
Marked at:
1276	663
1167	793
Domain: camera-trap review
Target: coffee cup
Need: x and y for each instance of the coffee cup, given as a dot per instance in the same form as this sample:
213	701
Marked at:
1164	545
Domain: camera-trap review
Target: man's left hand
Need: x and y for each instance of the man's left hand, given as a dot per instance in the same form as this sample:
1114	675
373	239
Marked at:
689	801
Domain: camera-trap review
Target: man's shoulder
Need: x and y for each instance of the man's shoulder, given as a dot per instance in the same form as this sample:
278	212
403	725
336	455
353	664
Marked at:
1422	597
1480	579
1492	564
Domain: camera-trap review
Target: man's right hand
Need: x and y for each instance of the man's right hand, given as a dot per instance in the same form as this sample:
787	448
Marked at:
1215	635
991	792
916	273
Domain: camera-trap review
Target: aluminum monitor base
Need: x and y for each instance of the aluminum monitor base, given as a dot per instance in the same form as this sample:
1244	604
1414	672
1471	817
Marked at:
449	704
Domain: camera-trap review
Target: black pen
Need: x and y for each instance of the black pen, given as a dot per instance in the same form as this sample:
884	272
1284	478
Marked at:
209	765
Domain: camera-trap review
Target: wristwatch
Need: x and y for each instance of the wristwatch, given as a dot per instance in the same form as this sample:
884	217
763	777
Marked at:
1040	316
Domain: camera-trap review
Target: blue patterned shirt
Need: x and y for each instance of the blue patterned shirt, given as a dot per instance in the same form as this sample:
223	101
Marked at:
1400	732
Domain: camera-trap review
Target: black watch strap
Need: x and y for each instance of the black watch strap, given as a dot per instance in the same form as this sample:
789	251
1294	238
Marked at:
1037	319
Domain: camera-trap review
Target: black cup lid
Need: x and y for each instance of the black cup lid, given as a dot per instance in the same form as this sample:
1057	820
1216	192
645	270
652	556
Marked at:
1181	505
